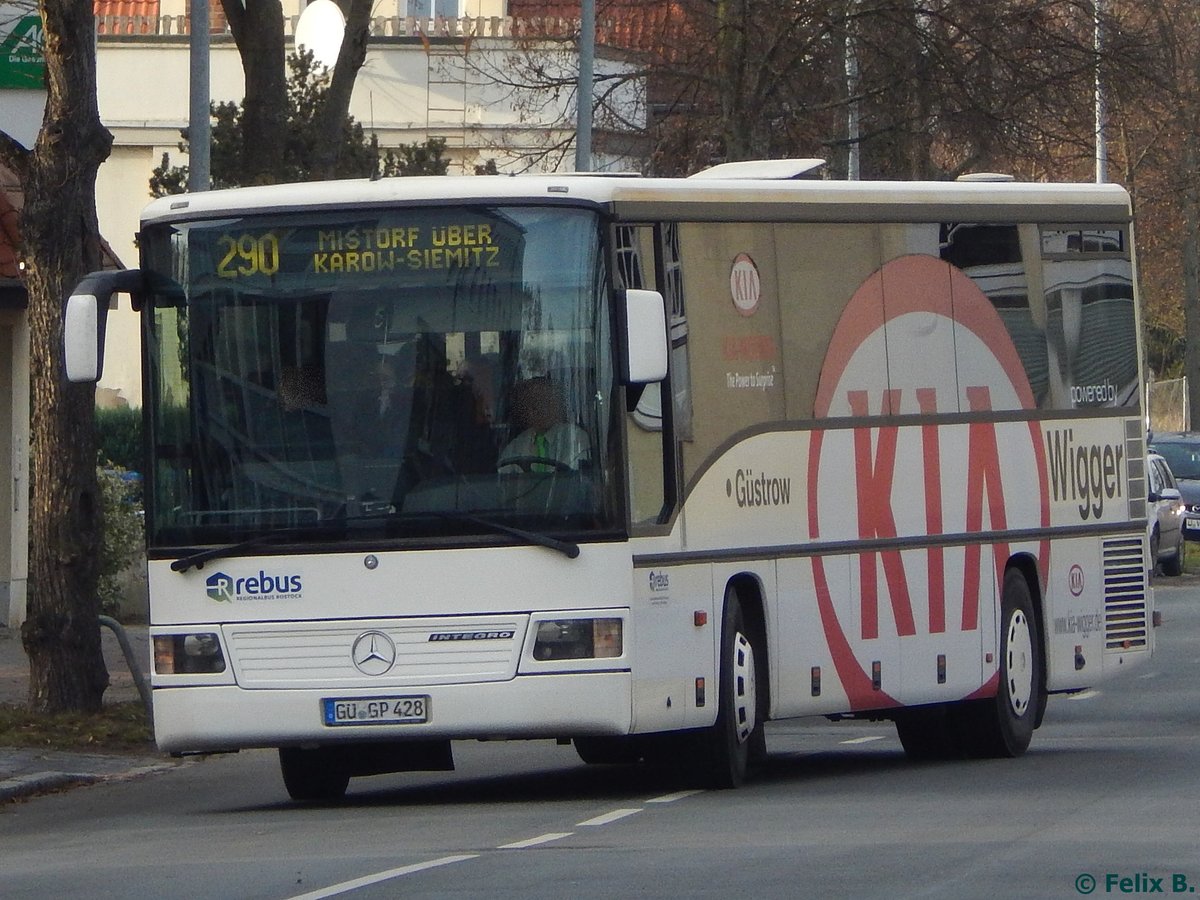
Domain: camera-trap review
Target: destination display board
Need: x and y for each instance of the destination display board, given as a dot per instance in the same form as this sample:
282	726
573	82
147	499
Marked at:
425	245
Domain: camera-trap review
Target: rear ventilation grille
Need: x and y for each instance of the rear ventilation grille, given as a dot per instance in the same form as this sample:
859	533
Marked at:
1125	621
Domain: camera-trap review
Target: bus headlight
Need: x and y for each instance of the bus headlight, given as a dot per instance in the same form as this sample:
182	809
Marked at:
185	654
578	639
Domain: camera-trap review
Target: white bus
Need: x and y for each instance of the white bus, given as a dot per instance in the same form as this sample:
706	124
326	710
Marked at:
632	462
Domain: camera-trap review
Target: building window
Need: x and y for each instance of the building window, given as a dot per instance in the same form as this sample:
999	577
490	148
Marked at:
424	9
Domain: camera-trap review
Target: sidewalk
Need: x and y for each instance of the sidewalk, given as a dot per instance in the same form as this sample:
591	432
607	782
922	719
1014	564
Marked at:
25	772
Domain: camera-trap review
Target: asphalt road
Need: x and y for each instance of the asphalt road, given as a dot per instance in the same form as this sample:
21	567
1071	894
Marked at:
1110	790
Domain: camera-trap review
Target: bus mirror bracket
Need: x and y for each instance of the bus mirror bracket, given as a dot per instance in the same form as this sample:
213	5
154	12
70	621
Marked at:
85	317
645	337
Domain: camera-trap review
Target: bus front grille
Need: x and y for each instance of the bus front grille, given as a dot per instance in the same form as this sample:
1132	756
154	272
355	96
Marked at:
384	653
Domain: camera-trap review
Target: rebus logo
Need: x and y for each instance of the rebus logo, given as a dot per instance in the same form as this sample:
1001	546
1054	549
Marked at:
220	587
262	583
226	589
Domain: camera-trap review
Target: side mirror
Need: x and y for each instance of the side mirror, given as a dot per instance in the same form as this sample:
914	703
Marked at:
645	337
85	317
83	337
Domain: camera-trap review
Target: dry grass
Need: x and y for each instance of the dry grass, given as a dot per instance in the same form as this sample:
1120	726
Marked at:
117	728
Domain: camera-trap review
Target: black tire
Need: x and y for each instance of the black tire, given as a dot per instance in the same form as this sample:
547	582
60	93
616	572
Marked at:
720	755
1173	567
1002	726
312	775
608	751
1154	545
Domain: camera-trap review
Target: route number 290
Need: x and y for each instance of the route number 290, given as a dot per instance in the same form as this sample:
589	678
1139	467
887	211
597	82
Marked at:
248	254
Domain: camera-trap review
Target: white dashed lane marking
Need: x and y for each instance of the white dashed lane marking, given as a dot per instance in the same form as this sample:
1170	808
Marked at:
367	880
608	817
671	798
536	841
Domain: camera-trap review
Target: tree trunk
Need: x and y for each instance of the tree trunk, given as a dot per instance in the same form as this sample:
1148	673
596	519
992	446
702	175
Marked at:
258	32
61	236
332	119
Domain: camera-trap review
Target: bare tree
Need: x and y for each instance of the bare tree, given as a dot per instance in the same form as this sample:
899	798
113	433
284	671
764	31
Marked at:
61	243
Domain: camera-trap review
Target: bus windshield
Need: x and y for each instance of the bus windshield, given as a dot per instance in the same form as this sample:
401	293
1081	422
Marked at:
417	373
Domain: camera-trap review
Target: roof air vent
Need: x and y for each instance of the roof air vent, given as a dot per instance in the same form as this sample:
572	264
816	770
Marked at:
985	176
768	169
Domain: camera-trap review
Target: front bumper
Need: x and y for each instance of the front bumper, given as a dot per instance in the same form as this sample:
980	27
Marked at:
227	717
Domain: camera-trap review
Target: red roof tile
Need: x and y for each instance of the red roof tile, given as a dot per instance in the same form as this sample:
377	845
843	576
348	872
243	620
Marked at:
126	16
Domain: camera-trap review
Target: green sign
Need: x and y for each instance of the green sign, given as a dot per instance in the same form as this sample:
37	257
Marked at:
22	63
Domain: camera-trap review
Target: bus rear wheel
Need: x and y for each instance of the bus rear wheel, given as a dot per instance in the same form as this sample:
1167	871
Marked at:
312	774
720	755
1003	725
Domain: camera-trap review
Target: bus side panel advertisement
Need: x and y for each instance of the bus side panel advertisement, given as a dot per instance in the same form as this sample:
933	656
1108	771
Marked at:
922	497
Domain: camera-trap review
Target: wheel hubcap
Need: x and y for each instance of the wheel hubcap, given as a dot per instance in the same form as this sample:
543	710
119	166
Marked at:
1019	663
745	705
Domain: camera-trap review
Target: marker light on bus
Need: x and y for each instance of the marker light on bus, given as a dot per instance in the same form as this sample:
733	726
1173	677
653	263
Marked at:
578	639
183	654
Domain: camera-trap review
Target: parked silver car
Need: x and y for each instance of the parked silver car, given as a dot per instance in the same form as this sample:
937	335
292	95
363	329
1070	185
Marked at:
1181	449
1164	517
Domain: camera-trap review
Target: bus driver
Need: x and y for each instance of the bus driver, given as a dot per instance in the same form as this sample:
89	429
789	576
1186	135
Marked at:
548	442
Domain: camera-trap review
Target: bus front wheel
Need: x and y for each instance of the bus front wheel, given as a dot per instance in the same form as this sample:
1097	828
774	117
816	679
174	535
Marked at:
1003	725
721	754
312	774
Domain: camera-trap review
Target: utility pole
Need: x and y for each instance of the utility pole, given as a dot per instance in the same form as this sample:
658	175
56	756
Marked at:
199	126
586	87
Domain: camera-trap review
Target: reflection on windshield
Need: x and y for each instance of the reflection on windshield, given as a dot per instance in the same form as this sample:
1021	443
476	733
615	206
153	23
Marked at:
300	383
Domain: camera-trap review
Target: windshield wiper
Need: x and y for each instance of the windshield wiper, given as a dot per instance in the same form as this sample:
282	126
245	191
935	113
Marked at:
200	557
569	549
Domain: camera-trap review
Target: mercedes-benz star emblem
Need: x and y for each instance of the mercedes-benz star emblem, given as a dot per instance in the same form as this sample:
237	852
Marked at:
373	653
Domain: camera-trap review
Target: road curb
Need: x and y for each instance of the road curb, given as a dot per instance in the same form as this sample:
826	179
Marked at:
33	784
42	783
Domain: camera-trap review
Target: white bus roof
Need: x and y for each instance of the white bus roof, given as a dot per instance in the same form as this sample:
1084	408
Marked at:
683	199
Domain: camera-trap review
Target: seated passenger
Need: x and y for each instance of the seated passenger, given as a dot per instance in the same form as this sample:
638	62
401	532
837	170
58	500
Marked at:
548	442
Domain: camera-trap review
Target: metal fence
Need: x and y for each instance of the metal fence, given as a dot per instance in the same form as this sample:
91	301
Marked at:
1167	402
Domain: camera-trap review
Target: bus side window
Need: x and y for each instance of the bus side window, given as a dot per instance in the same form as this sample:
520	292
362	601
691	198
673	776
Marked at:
633	247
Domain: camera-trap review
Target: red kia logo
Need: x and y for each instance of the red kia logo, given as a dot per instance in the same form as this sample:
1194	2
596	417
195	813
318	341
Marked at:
1075	580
